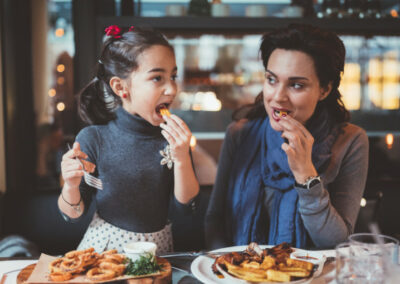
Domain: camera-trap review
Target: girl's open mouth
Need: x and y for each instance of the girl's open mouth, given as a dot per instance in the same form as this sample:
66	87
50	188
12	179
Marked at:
160	109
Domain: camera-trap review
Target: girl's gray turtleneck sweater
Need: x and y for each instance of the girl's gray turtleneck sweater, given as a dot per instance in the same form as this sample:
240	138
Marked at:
136	187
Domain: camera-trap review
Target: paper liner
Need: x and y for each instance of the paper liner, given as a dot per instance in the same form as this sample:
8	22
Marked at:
41	274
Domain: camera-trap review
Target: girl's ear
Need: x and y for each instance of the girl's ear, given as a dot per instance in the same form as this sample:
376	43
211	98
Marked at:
118	86
325	91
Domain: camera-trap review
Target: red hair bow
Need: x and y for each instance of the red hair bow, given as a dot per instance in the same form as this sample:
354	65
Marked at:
131	28
113	31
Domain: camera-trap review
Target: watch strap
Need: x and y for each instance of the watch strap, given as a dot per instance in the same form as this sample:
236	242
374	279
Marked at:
309	183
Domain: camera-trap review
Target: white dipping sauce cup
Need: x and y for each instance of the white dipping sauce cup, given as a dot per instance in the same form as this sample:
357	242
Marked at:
134	250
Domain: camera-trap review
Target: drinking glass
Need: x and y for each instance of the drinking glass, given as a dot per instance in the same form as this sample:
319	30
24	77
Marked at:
367	244
376	255
346	272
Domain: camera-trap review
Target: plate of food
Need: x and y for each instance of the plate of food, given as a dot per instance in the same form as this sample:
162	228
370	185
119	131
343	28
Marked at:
259	264
88	266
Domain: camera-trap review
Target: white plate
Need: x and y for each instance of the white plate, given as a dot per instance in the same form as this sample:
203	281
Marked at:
201	266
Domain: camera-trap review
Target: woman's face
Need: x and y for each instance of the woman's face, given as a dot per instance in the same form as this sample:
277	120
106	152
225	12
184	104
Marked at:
152	85
291	87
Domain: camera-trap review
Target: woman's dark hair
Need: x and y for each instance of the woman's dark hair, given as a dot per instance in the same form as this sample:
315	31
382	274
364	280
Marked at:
328	53
119	57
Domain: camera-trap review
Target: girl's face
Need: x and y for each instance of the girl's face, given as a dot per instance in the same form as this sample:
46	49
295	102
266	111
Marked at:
152	85
291	87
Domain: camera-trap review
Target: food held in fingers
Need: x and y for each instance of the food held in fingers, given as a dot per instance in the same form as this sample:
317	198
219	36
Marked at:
88	166
165	111
282	113
162	109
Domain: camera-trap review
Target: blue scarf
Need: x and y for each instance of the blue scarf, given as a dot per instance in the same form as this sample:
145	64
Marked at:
259	162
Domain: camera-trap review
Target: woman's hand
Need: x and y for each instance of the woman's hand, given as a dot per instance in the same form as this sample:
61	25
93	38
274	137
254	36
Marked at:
71	168
178	135
298	148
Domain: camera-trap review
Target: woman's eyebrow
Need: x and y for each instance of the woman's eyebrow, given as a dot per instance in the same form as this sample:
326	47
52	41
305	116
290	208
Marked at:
298	78
269	71
161	70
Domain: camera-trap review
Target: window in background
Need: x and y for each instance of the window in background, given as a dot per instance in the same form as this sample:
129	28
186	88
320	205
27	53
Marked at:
218	74
55	105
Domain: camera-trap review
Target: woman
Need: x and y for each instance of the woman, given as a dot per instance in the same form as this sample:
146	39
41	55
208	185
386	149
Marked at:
294	169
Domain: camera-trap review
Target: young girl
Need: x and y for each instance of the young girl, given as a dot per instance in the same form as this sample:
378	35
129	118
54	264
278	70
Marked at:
127	142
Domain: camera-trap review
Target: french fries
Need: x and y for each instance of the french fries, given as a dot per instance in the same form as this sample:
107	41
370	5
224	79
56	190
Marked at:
165	111
275	265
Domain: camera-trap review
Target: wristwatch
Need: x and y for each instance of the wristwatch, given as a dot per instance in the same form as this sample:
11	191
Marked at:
310	182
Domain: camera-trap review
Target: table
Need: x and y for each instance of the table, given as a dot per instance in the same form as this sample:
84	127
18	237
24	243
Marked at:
180	272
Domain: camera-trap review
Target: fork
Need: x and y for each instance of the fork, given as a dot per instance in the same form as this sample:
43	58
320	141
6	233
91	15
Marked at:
89	179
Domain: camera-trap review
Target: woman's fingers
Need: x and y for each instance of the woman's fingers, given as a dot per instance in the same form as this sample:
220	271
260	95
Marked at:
291	124
293	140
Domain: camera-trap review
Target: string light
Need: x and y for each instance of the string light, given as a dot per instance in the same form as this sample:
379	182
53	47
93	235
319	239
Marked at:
52	92
363	202
61	80
59	32
60	68
389	140
60	106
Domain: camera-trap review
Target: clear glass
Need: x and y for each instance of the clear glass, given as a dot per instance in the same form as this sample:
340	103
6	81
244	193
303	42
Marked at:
346	272
376	254
367	244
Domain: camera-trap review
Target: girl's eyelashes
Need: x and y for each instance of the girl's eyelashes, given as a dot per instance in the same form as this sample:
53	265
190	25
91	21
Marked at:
174	77
157	79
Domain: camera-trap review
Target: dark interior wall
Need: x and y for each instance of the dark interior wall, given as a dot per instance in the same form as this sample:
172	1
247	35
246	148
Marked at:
18	94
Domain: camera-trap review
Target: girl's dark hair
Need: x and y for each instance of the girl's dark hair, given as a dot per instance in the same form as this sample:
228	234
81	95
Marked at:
328	53
119	57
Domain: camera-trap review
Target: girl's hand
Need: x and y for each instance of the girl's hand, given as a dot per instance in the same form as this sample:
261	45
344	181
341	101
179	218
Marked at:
71	168
178	135
298	148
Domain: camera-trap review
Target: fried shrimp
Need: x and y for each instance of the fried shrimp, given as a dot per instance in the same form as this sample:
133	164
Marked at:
119	269
97	267
60	276
54	266
98	274
76	253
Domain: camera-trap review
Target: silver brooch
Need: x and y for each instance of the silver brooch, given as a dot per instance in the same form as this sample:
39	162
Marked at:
167	157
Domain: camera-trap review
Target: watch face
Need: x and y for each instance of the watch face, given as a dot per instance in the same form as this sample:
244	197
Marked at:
313	182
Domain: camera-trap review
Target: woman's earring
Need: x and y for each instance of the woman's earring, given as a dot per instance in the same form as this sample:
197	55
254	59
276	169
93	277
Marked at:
124	96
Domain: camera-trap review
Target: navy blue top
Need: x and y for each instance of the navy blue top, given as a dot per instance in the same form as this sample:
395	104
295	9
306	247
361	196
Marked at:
136	188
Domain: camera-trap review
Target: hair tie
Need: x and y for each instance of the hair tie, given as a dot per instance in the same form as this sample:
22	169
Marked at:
113	31
100	62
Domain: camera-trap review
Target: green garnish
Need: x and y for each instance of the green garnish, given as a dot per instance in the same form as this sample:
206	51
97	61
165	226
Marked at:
146	264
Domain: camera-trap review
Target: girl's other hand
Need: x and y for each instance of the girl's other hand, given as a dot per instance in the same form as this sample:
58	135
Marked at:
178	135
71	168
298	148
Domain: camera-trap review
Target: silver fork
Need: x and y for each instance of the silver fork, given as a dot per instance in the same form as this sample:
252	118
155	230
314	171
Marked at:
89	179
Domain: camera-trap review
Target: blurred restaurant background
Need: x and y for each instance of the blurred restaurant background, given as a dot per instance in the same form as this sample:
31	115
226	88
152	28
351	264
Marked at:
49	49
